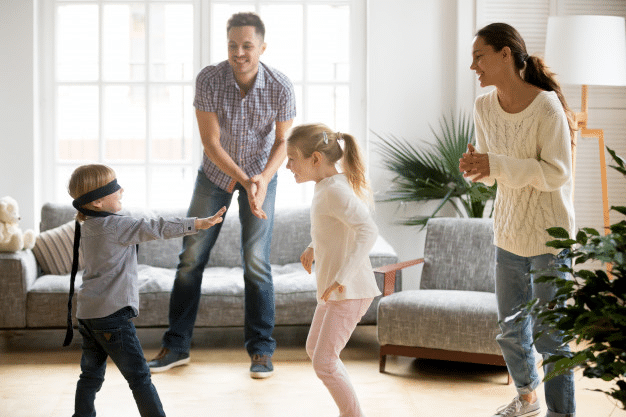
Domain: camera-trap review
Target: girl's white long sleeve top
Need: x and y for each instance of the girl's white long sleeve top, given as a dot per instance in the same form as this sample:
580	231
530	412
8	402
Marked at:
343	234
530	158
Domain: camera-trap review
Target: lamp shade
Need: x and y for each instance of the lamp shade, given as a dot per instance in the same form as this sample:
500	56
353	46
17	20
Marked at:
588	50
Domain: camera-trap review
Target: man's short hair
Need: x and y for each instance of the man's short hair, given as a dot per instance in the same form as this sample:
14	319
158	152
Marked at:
247	19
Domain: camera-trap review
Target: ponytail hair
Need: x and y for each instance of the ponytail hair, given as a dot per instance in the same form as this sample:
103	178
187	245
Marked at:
533	69
309	138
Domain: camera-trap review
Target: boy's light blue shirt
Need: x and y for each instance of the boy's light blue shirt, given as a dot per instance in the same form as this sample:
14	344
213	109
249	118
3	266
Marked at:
109	247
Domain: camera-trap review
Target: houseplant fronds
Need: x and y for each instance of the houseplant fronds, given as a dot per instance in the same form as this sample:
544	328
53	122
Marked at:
431	172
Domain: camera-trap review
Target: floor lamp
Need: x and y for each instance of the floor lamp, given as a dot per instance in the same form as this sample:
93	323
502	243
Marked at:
588	50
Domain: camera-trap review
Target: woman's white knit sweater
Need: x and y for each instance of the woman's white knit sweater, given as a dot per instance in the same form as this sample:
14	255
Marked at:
530	158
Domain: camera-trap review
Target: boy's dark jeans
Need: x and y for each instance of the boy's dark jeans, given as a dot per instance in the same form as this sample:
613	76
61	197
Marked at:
114	336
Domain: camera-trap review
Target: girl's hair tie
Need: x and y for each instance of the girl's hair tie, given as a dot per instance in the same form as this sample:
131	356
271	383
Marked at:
339	136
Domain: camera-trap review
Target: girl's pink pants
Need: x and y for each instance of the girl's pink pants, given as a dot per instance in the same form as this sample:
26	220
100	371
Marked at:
332	326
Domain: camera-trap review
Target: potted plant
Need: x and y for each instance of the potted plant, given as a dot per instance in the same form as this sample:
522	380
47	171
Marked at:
592	305
432	171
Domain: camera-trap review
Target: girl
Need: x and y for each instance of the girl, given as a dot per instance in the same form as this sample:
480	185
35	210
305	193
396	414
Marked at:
523	141
108	298
343	233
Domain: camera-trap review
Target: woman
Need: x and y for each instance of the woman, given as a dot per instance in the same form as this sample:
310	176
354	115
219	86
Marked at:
523	141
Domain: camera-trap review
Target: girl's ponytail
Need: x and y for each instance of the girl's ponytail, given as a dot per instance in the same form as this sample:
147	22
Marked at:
354	168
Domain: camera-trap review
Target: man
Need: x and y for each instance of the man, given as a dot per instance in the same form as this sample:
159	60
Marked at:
237	103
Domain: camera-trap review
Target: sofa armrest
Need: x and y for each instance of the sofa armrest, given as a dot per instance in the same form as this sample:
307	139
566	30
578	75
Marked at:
18	271
389	271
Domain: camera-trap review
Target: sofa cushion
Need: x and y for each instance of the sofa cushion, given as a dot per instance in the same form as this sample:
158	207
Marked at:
465	321
221	303
54	250
459	255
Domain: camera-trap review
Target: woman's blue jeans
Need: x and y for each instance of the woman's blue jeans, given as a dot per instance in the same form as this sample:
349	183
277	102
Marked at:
114	336
515	285
256	239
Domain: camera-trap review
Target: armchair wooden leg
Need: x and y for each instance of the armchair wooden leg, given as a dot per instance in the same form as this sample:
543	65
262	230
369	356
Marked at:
383	361
509	379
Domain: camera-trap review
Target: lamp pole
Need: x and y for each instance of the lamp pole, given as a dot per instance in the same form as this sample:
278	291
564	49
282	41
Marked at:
581	124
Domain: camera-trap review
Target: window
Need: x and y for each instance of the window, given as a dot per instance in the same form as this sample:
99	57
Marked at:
120	77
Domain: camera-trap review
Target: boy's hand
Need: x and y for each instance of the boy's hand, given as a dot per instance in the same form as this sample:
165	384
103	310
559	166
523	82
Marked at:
306	259
207	222
329	290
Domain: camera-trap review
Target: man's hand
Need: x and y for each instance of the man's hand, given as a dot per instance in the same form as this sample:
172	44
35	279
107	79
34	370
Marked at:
335	286
253	190
261	192
307	258
207	222
474	165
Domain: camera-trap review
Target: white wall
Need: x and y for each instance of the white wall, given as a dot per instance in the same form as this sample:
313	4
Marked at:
18	154
412	66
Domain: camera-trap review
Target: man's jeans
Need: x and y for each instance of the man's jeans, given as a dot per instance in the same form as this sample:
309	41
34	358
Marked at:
515	286
114	336
256	238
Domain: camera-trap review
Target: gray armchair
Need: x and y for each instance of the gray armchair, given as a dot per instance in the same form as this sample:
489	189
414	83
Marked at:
453	316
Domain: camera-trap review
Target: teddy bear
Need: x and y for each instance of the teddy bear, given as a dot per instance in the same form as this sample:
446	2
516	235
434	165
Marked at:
12	239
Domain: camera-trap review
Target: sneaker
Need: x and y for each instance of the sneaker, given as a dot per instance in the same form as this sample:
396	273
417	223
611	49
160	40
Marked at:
167	359
519	408
261	366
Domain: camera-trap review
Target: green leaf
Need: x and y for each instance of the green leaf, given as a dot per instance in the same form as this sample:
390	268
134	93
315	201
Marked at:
590	231
558	232
560	244
618	159
619	209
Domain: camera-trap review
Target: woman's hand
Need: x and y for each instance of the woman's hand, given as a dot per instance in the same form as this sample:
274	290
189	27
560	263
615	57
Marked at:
474	165
335	286
207	222
307	258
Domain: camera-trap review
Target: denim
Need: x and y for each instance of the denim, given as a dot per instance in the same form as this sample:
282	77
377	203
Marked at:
256	238
114	336
515	286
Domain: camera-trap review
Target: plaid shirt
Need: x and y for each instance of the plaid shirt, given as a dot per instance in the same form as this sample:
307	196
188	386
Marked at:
246	124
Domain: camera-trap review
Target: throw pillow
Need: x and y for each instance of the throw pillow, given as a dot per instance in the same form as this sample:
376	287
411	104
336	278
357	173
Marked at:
54	250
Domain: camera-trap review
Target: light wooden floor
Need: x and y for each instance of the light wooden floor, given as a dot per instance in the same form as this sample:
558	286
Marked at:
38	378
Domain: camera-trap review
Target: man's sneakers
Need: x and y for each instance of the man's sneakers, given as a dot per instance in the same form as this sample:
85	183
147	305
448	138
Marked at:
519	408
167	359
261	366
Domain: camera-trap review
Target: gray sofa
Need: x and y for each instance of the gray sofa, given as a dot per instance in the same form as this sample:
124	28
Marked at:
30	299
